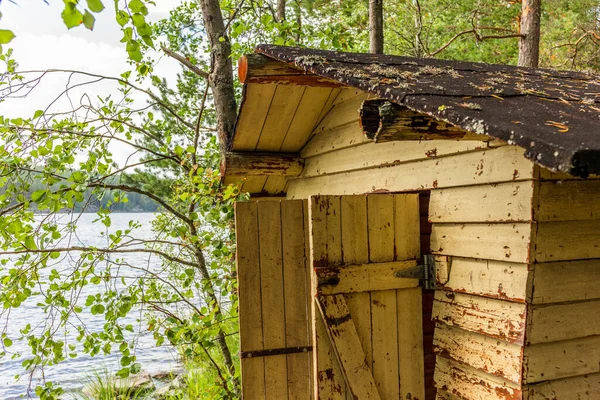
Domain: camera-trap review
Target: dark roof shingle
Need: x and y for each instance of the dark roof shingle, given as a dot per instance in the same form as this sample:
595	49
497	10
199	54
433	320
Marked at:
554	115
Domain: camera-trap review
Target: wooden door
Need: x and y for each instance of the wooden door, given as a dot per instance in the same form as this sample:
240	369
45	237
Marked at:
367	329
274	300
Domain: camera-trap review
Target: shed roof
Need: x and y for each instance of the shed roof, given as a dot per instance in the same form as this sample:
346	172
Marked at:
553	115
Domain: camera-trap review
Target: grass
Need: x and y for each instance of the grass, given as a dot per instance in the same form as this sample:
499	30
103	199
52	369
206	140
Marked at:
101	385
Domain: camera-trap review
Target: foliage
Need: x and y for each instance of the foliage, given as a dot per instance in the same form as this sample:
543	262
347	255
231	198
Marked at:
186	289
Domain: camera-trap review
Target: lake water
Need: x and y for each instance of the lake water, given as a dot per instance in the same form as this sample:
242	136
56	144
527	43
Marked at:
73	373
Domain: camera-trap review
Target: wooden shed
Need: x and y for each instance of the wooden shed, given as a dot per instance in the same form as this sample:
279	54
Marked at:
418	229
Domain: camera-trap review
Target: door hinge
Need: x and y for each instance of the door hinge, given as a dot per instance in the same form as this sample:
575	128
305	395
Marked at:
424	272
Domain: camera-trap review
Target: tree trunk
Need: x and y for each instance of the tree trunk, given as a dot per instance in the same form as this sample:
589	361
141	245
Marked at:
299	22
529	45
280	10
221	82
221	74
376	26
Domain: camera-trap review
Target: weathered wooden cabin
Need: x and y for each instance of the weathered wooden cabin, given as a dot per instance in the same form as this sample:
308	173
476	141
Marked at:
418	229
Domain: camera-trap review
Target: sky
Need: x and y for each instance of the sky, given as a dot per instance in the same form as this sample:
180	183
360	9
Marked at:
43	42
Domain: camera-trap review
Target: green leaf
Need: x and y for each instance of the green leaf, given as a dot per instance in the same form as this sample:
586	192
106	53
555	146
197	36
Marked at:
122	18
30	243
90	300
97	309
148	40
123	372
135	368
6	36
7	342
95	5
38	195
71	16
38	114
88	20
136	55
138	7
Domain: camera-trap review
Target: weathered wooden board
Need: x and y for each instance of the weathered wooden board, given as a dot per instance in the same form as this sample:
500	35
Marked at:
554	322
252	117
348	93
569	240
495	318
548	361
254	184
355	242
472	384
341	114
281	113
586	387
409	301
568	201
493	356
507	202
365	277
342	137
347	346
272	296
384	323
325	250
313	102
369	155
502	164
503	242
577	280
329	382
296	289
275	185
248	269
410	347
480	277
407	227
261	164
335	93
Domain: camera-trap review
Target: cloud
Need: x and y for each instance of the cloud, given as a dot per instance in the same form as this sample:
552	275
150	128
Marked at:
43	42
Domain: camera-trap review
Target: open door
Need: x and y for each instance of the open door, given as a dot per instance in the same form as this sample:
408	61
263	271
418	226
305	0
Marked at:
367	324
352	260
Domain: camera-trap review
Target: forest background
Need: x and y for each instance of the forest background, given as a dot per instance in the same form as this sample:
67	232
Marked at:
158	142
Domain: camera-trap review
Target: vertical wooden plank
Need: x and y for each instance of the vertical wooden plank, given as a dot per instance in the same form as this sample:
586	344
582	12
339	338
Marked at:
383	303
296	291
410	312
309	297
407	227
313	102
410	344
280	116
269	236
253	115
355	251
326	249
249	287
